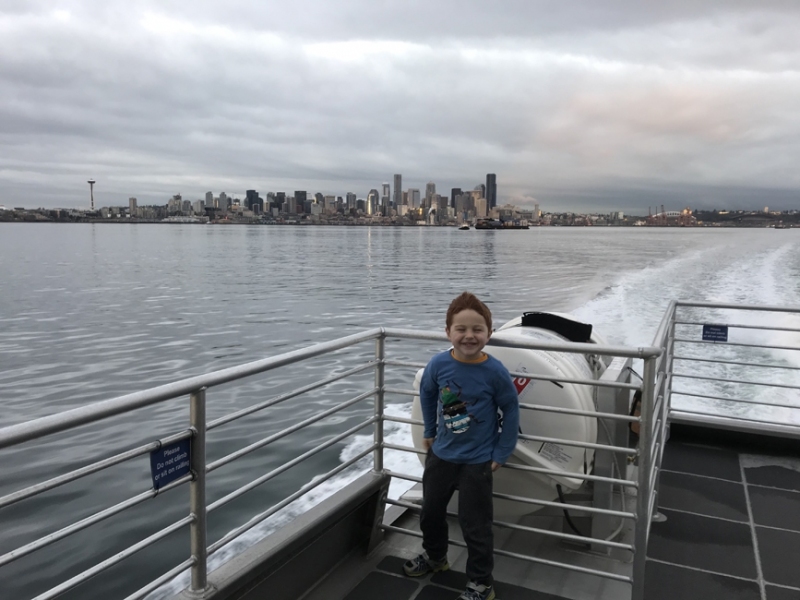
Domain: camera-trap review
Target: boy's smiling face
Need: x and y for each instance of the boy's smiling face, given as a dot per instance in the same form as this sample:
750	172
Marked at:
468	333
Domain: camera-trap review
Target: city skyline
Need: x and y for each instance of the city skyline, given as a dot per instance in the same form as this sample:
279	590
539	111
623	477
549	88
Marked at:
578	107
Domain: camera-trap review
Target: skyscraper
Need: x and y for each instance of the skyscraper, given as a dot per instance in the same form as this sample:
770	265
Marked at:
430	192
373	202
398	190
250	197
453	193
491	191
351	201
413	197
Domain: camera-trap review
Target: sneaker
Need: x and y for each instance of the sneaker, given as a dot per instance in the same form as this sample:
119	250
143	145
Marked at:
422	565
476	591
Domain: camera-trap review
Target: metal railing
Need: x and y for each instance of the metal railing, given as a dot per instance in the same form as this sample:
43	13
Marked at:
659	372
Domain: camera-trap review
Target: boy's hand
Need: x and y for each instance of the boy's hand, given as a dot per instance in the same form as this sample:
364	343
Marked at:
427	443
495	466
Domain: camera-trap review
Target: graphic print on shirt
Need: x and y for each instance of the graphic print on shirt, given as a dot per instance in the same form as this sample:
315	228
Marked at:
454	410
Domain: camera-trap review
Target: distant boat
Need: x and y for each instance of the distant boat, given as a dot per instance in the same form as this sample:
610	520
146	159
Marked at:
494	224
464	227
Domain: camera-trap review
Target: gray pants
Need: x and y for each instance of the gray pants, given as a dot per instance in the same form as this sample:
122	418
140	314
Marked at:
475	512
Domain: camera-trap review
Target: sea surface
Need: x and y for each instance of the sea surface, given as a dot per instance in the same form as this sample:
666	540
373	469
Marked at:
91	312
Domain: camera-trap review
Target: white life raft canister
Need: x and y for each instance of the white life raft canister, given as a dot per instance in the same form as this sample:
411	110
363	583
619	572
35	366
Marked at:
567	460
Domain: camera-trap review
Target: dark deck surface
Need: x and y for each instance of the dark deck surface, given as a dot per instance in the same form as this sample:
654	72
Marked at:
732	531
733	520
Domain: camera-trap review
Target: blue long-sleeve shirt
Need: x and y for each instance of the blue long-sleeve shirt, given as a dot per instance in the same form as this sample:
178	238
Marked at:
459	408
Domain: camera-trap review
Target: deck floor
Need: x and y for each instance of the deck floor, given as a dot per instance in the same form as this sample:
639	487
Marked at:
732	528
732	531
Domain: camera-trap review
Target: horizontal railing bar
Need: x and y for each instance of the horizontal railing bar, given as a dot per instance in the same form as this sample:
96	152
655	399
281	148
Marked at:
404	476
284	432
534	438
539	438
739	326
157	583
525	500
739	400
288	465
768	427
553	409
539	377
577	381
287	396
403	363
740	381
55	482
524	557
735	362
685	411
583	413
110	562
404	420
755	307
528	468
404	448
87	522
90	413
569	347
740	344
573	507
286	501
401	391
569	475
548	532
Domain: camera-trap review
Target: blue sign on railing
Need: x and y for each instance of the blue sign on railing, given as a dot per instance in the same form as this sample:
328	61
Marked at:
715	333
169	463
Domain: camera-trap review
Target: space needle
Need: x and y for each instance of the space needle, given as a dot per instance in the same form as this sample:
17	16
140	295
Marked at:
91	183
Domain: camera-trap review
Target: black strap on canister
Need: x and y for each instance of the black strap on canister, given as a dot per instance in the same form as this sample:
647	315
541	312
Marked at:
574	331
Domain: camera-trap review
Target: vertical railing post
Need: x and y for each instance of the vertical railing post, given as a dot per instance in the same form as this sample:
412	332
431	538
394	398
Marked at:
380	355
643	494
666	389
197	492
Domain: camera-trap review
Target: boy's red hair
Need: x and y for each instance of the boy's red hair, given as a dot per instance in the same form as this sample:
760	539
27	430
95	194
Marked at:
468	301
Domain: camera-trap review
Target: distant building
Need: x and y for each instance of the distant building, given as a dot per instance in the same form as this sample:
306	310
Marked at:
413	198
453	193
351	201
209	198
480	207
132	206
398	187
430	192
250	197
222	203
491	190
373	200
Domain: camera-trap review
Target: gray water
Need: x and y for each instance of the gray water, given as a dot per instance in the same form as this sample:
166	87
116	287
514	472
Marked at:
90	312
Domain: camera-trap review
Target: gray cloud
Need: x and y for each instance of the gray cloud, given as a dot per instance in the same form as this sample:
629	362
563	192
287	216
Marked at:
578	107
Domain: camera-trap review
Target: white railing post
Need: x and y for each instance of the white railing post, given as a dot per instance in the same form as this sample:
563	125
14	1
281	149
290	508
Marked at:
380	355
643	493
197	493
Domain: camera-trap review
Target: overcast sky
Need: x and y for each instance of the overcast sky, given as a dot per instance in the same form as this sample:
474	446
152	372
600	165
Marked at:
574	106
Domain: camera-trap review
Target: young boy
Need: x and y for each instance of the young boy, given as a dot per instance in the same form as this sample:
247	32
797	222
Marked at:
460	394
